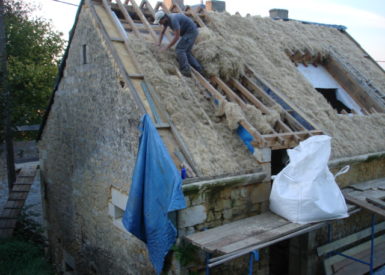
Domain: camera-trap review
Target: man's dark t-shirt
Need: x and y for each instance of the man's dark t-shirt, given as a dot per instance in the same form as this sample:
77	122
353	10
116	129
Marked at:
178	21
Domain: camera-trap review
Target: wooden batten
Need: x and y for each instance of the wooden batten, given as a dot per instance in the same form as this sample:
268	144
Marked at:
350	84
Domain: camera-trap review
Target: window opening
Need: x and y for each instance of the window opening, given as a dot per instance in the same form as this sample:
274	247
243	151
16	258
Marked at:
279	159
332	97
84	50
334	93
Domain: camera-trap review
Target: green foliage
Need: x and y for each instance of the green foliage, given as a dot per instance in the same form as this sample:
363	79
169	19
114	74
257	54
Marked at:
22	257
24	253
33	51
28	229
185	253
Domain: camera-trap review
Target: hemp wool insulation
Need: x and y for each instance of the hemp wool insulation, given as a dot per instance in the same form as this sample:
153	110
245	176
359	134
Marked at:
262	42
223	49
214	147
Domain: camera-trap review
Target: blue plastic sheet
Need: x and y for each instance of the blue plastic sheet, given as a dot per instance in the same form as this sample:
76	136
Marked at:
246	137
155	191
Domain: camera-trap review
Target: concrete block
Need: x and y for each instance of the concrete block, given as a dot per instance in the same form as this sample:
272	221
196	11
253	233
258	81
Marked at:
262	155
118	198
192	216
114	211
260	193
111	210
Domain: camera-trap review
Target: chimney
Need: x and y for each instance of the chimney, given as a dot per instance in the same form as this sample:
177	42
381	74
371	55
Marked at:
215	5
169	3
279	14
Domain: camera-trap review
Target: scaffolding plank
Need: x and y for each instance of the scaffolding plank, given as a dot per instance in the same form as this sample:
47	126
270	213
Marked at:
213	239
324	249
367	185
377	202
365	205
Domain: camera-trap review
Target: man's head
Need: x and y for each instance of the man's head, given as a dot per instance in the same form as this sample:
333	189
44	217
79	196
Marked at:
159	17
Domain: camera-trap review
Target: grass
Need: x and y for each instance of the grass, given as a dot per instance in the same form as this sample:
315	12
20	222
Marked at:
19	257
23	254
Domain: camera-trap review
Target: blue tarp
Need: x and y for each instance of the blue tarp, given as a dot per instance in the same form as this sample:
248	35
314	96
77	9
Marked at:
156	190
246	137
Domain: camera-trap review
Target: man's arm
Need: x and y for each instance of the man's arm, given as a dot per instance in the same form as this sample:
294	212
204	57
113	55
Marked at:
175	39
161	35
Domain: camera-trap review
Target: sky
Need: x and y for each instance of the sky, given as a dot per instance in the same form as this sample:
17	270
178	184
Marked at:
364	19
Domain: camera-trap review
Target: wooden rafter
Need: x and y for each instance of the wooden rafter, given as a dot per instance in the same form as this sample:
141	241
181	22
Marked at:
123	34
143	18
287	132
259	140
168	33
258	104
128	18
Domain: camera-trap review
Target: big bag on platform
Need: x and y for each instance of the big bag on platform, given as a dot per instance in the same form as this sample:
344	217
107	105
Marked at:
305	190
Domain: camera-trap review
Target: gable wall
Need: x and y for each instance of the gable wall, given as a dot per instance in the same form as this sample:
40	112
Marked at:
89	145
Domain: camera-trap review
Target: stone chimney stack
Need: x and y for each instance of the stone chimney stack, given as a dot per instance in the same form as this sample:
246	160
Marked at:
279	14
214	5
169	3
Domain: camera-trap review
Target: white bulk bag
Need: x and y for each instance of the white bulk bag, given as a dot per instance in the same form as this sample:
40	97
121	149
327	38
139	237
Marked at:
305	190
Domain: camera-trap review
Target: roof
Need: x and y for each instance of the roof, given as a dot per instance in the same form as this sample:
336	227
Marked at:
252	82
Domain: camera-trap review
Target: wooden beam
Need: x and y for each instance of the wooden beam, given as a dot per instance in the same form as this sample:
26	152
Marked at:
128	18
249	96
283	98
168	32
196	18
255	102
217	95
116	22
144	20
226	89
214	93
352	86
294	123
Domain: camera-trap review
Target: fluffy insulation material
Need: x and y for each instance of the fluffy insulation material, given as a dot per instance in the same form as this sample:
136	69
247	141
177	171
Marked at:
224	48
261	43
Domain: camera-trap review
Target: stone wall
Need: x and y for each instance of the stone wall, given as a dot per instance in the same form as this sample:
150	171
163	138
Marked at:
362	168
88	146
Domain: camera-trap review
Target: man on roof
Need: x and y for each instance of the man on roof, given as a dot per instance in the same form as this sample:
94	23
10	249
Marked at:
185	29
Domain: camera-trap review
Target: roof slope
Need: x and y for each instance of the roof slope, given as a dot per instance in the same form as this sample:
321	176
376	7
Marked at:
232	42
231	47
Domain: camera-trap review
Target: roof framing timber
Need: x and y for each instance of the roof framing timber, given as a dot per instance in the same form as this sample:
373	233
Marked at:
290	128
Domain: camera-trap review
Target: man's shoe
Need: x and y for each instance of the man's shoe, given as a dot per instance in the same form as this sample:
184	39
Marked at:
186	73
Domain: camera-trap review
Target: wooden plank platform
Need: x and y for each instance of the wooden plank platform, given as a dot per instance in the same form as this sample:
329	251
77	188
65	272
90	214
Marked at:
238	235
368	195
16	200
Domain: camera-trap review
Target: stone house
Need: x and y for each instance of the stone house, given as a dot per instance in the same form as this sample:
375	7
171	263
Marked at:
271	83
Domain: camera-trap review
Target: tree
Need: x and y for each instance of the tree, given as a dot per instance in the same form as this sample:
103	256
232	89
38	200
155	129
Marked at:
6	100
33	50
